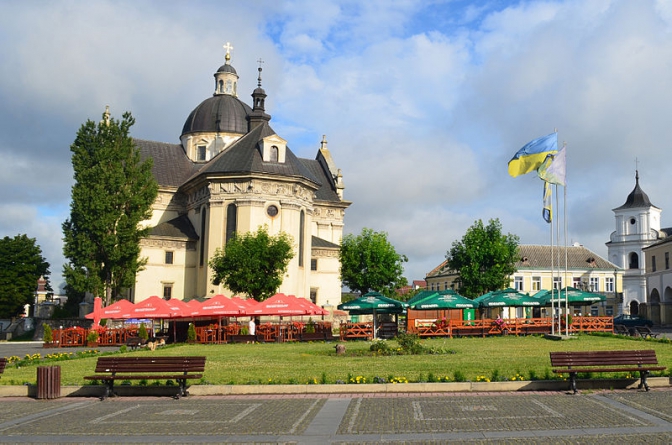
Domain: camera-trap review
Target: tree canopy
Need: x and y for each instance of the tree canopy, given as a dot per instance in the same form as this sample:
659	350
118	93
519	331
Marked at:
113	193
21	265
484	258
369	262
253	263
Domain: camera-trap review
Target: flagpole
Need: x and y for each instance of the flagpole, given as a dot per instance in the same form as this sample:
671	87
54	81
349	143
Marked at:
552	282
564	213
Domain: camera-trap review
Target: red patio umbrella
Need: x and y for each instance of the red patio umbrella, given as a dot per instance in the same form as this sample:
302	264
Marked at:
155	307
117	310
219	305
311	308
279	304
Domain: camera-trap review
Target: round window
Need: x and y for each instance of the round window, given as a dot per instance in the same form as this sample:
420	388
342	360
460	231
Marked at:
272	211
633	221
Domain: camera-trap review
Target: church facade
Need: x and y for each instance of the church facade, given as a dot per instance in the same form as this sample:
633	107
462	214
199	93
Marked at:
231	173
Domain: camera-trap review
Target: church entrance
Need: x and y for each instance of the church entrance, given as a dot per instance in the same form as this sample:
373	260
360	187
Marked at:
634	308
654	307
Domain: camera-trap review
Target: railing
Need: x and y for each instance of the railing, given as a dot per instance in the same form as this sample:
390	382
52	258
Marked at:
352	331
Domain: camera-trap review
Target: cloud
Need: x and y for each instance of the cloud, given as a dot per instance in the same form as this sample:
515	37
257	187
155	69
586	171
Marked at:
423	103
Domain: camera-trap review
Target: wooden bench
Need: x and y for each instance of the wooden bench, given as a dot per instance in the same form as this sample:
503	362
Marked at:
645	331
621	329
135	342
109	369
605	361
3	363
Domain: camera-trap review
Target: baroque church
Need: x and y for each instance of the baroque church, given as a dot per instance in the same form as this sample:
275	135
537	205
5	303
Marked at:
231	173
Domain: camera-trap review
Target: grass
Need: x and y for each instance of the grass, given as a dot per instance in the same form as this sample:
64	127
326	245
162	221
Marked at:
471	359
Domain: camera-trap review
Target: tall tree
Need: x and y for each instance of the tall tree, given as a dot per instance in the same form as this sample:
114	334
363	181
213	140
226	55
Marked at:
484	258
253	263
113	193
21	265
369	262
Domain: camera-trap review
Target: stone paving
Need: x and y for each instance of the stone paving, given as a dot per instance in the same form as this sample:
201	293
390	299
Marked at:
604	417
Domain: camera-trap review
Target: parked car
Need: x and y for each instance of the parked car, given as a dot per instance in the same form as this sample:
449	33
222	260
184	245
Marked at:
632	320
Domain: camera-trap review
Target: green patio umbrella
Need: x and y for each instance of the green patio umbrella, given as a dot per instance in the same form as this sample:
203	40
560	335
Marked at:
508	298
421	296
575	297
373	302
447	299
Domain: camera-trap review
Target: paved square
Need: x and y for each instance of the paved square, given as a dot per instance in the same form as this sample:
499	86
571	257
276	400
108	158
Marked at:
482	413
188	416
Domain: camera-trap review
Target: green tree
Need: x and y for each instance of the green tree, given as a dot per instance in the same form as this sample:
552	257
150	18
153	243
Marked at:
484	258
21	265
113	193
370	263
253	263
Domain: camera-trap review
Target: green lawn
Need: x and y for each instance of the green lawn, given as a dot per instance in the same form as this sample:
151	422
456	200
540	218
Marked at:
496	358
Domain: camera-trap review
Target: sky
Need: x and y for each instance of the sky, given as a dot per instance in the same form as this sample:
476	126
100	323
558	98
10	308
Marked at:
423	103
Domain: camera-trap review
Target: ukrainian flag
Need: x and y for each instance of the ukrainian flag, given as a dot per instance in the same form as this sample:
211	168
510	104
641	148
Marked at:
533	154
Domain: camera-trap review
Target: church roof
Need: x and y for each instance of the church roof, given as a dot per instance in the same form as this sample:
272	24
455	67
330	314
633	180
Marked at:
243	156
221	113
179	227
637	198
171	165
326	192
323	243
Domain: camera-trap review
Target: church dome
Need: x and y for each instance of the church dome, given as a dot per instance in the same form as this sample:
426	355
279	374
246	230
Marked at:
218	114
227	68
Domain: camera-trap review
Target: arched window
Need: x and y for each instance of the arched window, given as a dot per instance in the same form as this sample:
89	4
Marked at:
202	253
302	229
274	154
634	261
231	221
221	86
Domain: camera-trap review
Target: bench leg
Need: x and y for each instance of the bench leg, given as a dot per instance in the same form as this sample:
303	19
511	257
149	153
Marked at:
108	389
642	380
572	382
183	388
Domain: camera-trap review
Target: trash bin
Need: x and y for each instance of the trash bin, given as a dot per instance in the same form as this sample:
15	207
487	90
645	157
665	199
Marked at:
468	314
48	382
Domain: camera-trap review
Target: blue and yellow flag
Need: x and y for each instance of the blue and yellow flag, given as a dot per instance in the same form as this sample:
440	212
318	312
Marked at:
533	154
547	212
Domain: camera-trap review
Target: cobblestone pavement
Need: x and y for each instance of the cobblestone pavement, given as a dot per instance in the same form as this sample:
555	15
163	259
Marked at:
605	417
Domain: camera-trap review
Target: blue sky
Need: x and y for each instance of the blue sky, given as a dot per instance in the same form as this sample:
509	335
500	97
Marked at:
423	103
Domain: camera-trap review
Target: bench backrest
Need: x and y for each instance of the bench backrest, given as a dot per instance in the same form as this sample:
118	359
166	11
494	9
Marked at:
603	358
150	364
3	362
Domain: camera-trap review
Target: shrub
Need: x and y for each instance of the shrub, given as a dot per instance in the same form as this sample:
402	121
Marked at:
48	334
410	344
142	332
191	333
92	336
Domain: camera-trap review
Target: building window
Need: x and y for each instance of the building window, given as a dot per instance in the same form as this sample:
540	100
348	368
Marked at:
576	283
667	260
653	263
167	291
302	235
557	283
594	284
272	211
536	284
201	153
313	264
518	283
445	285
169	257
202	252
313	295
274	154
231	221
634	261
609	284
609	311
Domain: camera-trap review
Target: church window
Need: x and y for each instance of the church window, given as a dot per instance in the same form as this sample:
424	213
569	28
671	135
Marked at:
633	221
201	153
302	229
653	263
272	211
634	261
221	86
313	264
229	86
167	291
202	253
274	154
231	221
169	257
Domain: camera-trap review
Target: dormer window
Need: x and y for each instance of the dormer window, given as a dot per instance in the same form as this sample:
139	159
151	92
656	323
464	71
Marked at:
273	149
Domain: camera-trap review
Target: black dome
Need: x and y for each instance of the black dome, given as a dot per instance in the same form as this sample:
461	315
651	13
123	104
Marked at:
227	68
230	111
